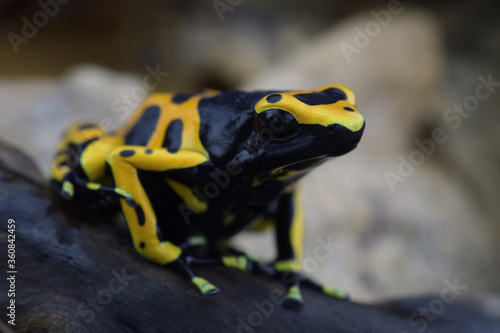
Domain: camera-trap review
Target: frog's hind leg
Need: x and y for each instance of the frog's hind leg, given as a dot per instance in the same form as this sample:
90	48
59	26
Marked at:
125	161
80	160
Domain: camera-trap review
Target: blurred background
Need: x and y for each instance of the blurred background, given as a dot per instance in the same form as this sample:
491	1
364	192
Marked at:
416	204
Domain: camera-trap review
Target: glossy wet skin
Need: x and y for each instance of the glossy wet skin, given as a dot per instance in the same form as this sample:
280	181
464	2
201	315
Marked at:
269	137
269	146
207	165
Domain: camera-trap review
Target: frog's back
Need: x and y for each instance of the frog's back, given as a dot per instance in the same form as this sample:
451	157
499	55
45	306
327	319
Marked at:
166	120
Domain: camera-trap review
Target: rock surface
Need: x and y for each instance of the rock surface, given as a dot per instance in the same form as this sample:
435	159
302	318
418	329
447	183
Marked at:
77	272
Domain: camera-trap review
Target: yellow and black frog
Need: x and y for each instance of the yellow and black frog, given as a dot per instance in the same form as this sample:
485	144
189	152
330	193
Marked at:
191	170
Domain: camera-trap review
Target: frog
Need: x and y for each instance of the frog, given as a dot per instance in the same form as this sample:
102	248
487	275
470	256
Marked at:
188	171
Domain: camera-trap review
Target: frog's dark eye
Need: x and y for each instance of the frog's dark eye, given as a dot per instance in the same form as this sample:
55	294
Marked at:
280	123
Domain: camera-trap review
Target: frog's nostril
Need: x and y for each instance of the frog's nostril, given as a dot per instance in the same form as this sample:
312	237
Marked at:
349	109
335	128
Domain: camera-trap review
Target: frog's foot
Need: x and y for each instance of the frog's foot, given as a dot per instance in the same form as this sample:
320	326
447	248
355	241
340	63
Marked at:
292	280
240	262
327	290
183	264
193	241
289	273
295	280
205	287
67	190
230	258
238	259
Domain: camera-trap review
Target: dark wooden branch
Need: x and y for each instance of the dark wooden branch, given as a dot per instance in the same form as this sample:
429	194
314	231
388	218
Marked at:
78	272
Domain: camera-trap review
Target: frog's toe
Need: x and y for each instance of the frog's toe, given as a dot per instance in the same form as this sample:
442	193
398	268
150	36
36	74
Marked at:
205	287
335	293
241	262
327	290
293	304
193	241
294	299
67	190
212	291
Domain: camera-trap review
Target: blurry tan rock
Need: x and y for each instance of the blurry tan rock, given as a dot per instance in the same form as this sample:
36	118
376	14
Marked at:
36	110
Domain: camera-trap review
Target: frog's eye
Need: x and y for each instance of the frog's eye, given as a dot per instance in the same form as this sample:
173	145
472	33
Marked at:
280	123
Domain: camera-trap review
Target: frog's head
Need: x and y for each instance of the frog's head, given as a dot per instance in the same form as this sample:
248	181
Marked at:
299	126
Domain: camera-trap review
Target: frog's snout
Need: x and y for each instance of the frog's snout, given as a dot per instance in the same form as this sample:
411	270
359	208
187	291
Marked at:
327	107
346	117
338	130
343	139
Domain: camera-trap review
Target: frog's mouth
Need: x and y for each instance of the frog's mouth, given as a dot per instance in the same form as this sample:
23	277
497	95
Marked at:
305	165
343	151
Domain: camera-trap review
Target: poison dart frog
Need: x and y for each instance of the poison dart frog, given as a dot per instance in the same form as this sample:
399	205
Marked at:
188	171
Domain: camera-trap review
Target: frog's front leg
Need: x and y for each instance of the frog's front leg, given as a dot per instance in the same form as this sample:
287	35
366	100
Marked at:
289	233
125	161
